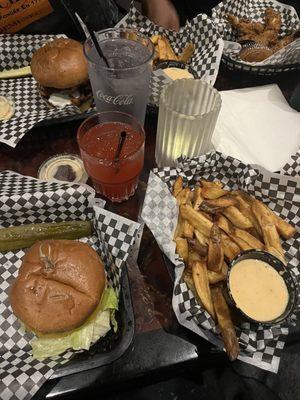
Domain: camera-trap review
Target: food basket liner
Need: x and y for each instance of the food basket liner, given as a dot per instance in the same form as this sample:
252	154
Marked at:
200	31
24	200
260	345
254	10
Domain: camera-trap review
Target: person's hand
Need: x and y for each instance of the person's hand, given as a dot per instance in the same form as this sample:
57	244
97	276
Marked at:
162	13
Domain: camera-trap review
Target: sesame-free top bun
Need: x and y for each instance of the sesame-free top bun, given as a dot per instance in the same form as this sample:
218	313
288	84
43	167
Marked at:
60	284
60	64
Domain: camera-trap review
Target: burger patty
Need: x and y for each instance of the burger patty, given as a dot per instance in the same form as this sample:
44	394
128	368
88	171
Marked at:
84	92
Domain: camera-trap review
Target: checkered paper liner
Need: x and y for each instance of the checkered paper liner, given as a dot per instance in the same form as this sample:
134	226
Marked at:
200	31
16	52
287	57
260	345
27	200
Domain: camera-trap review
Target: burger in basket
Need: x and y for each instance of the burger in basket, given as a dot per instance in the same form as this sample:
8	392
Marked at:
61	295
61	72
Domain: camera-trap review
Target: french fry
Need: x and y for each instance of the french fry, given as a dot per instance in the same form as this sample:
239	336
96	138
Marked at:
213	192
197	247
270	234
183	196
225	323
285	230
230	248
193	256
241	237
197	199
197	219
178	186
202	239
154	39
200	278
207	184
245	208
182	248
215	256
237	218
188	230
165	50
216	277
187	53
215	206
179	227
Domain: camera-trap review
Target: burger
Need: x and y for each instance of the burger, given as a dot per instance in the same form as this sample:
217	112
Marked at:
62	297
61	71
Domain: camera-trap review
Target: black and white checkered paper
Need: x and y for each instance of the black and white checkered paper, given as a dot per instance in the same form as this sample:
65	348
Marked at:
16	52
200	31
288	57
27	200
260	345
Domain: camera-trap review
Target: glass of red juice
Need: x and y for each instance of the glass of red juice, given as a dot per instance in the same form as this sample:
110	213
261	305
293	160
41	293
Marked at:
98	138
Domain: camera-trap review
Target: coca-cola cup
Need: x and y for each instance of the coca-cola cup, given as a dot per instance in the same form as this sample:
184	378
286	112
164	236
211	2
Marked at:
123	85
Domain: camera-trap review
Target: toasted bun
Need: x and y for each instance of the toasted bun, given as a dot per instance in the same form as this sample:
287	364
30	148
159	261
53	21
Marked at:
254	54
60	64
59	285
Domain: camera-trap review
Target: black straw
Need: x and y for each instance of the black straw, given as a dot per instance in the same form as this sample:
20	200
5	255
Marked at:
91	34
120	146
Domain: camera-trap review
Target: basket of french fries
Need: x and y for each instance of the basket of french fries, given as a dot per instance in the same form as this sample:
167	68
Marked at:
261	37
205	214
196	48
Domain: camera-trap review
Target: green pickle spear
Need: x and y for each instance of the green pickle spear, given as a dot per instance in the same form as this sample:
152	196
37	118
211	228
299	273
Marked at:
19	237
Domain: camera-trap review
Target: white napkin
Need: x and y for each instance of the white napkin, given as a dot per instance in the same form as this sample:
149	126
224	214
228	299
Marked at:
257	126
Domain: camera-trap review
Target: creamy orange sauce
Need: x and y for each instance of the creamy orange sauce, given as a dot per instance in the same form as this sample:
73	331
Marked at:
258	290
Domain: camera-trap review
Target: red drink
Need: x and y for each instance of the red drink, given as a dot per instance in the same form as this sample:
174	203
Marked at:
98	139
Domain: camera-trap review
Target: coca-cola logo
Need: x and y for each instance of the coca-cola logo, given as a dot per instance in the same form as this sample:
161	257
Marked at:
120	100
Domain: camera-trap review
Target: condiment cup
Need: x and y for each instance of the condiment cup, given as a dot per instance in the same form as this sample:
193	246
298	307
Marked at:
281	269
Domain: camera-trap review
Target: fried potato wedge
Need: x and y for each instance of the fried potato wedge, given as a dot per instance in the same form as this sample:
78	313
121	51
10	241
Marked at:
206	184
197	219
197	198
187	53
216	277
183	196
245	208
215	256
202	239
230	248
198	247
200	278
178	186
215	206
237	218
225	323
182	248
270	234
188	230
213	192
193	256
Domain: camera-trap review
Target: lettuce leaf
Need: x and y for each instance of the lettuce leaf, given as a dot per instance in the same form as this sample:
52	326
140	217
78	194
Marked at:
83	337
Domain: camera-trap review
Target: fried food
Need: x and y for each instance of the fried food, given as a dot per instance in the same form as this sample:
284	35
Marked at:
200	278
182	248
265	35
215	256
163	50
233	221
270	234
225	323
237	218
197	219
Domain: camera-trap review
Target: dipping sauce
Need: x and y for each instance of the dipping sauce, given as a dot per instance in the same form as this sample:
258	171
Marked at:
258	290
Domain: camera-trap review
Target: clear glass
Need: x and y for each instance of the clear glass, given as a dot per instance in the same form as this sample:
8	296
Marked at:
124	85
118	181
188	112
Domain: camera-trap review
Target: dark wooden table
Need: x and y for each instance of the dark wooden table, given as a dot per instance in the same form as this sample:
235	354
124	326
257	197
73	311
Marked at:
160	346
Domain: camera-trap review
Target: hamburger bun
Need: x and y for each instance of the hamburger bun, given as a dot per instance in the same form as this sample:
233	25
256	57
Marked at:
60	284
60	64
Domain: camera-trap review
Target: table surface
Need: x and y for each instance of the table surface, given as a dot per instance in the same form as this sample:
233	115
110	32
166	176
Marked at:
160	346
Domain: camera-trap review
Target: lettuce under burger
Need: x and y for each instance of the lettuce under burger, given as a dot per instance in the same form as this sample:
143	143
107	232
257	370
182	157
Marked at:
61	295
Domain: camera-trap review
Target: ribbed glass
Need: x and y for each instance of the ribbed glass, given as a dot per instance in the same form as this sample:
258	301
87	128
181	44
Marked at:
188	111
